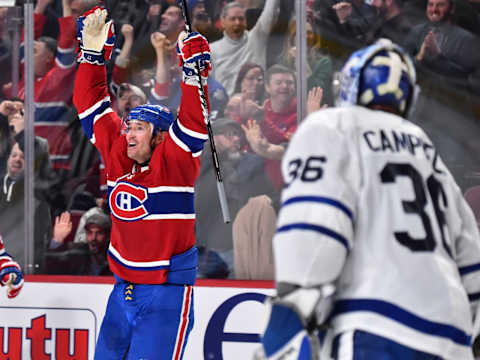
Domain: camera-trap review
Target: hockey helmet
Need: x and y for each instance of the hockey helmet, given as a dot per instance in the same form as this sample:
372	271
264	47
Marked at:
158	115
379	74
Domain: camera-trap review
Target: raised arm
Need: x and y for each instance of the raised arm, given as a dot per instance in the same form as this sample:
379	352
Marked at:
120	69
193	50
90	95
267	18
162	48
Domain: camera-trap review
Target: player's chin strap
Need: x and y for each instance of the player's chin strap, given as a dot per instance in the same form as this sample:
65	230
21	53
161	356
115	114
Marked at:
291	332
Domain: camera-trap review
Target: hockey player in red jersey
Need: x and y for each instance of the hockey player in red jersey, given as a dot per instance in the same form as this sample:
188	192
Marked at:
151	172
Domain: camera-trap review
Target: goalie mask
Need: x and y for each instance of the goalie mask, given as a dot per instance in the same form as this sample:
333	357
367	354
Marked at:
159	116
380	74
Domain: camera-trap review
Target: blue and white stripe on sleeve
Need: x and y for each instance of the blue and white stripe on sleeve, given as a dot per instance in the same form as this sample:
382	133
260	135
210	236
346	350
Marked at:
317	214
65	58
470	278
188	140
90	116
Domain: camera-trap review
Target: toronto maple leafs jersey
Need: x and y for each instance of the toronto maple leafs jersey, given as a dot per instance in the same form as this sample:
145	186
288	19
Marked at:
152	206
369	205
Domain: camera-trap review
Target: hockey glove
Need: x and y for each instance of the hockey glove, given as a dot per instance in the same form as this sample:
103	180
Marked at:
96	38
291	332
10	276
193	50
287	335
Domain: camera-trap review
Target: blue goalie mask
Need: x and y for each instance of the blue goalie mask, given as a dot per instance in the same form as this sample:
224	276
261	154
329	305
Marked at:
380	74
159	116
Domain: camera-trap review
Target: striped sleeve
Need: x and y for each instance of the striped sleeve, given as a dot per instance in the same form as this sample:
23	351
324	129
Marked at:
316	221
467	249
189	130
99	122
39	21
65	57
5	258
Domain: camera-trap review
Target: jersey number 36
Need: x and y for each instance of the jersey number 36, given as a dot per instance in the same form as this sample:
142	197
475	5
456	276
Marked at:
418	206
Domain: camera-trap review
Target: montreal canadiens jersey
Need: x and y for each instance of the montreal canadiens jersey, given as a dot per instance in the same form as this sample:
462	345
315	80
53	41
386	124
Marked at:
152	206
369	204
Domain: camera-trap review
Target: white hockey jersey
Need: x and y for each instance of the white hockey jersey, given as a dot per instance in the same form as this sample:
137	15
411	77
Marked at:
369	204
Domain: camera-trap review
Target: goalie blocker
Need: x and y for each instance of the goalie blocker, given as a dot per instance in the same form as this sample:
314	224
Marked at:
293	322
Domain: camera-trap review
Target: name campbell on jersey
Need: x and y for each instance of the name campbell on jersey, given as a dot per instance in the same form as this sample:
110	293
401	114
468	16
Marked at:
370	205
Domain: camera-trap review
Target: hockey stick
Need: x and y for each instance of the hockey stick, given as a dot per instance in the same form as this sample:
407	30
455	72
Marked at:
203	101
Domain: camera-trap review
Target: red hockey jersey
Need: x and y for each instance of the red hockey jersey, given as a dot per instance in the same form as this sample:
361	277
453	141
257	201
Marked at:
152	207
53	92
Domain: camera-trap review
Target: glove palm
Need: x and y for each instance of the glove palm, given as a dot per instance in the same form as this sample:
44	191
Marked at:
96	36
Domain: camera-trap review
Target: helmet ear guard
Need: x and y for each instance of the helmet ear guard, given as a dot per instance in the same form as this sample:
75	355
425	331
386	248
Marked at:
380	74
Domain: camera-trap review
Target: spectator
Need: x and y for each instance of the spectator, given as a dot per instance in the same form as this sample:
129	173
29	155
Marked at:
260	145
122	60
85	258
6	21
318	65
54	64
243	176
8	109
202	22
440	46
12	216
249	95
172	23
78	7
239	45
394	22
253	230
353	20
280	119
128	97
80	235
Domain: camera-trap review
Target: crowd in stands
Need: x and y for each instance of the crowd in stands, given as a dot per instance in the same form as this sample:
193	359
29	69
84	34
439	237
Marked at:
253	110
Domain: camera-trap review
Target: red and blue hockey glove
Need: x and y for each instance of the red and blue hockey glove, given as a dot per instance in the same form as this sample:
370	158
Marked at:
96	38
192	50
10	273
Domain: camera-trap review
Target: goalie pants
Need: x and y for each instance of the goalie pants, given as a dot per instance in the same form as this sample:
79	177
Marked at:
146	322
361	345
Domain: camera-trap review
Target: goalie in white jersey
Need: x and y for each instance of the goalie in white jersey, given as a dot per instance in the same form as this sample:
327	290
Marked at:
370	211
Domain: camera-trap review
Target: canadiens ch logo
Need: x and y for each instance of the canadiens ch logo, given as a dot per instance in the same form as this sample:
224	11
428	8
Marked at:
127	201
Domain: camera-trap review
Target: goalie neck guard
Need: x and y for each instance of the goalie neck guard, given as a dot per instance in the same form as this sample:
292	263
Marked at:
380	74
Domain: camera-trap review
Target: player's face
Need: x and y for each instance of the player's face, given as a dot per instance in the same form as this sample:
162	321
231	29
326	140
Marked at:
15	162
234	22
139	136
437	10
171	21
281	87
96	238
